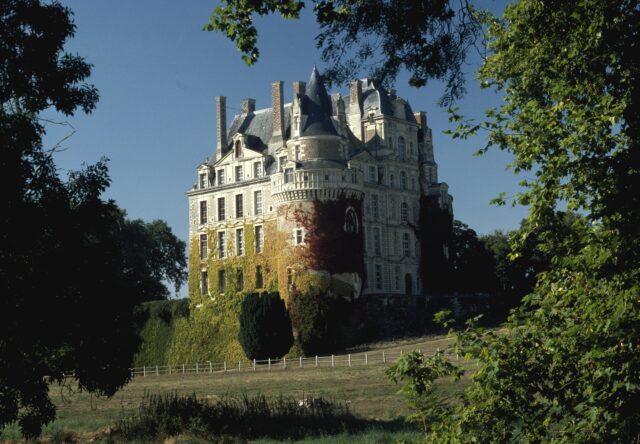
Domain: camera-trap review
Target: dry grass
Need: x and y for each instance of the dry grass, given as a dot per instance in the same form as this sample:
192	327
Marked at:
365	388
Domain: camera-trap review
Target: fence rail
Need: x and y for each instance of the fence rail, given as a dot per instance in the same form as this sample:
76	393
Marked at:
329	361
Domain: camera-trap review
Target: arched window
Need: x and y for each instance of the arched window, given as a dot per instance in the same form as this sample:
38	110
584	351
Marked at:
350	221
238	148
403	212
406	249
401	148
403	180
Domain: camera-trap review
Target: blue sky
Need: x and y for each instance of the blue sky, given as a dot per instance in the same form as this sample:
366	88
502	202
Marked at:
158	74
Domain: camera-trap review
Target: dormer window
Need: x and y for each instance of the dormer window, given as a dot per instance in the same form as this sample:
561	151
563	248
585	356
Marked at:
220	177
238	148
203	180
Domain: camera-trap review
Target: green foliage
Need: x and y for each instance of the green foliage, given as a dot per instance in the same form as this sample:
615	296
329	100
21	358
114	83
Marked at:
428	39
153	255
159	329
568	367
241	416
418	374
265	327
472	264
320	321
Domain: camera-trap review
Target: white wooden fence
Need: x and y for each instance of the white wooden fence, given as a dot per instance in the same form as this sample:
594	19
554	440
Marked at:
332	361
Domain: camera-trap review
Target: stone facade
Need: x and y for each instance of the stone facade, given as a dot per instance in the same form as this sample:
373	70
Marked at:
340	179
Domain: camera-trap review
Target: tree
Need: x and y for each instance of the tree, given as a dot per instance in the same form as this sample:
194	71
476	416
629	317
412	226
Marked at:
69	293
153	254
429	39
473	266
265	326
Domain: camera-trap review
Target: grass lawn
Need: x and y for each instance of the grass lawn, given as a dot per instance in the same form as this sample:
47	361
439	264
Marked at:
364	388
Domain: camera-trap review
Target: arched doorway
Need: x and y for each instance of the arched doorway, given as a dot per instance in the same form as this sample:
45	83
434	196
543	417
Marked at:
408	284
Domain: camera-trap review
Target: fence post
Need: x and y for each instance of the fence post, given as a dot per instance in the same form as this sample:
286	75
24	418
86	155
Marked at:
169	368
157	374
400	352
254	365
269	363
210	367
238	366
300	361
196	368
133	372
183	368
420	351
316	360
384	359
349	359
366	359
225	366
284	363
144	370
332	361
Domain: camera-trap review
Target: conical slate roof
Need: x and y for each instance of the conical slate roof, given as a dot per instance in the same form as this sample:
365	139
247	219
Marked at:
317	107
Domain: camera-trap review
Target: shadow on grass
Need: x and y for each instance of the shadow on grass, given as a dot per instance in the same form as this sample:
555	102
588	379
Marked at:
243	417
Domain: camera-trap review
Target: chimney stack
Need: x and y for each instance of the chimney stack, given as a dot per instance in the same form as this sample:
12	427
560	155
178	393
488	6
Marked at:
299	87
355	93
421	118
277	104
221	125
248	106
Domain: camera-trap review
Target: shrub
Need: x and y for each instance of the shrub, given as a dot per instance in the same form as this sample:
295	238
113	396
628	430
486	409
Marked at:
265	326
241	416
320	321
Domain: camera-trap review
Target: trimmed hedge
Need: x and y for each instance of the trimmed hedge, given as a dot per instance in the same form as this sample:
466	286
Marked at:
265	326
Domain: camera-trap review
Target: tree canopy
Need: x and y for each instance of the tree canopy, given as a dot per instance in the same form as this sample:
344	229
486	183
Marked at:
430	39
69	288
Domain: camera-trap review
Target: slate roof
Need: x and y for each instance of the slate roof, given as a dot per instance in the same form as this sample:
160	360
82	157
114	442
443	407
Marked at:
258	126
316	105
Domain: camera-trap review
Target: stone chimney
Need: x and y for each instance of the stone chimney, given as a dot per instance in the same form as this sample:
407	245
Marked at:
248	106
221	126
421	118
355	93
299	87
277	104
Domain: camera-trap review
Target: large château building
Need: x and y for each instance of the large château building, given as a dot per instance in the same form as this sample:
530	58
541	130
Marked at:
325	187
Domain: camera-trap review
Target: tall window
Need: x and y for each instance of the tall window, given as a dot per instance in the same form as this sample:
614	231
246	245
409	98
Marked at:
203	212
403	180
222	245
203	246
240	242
240	278
374	206
282	160
401	148
296	152
220	177
257	169
378	276
203	180
392	181
372	174
257	203
396	279
239	206
258	238
259	283
403	212
376	241
204	282
221	281
298	236
238	148
395	242
221	213
405	245
288	175
239	173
